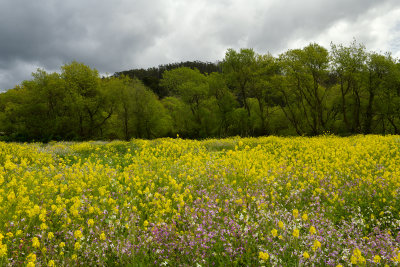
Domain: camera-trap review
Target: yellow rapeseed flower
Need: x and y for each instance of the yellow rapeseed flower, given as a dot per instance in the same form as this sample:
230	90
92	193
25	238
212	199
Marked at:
43	226
77	246
396	259
306	255
377	259
35	242
50	235
313	231
3	249
357	257
316	245
78	234
102	236
263	255
90	222
274	232
295	213
296	232
31	257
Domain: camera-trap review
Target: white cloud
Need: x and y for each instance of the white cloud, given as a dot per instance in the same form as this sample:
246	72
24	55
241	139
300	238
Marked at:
118	35
378	29
17	71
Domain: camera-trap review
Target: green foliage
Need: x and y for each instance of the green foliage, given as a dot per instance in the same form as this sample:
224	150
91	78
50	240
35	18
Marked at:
307	91
151	77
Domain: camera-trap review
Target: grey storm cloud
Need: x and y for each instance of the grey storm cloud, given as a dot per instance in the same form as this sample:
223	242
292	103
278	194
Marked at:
118	35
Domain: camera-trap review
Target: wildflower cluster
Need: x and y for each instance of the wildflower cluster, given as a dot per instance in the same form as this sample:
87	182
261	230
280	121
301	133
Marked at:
254	201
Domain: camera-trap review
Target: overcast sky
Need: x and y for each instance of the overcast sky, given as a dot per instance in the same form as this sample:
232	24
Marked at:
119	35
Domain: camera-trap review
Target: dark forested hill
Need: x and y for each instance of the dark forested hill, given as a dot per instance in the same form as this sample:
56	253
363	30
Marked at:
151	77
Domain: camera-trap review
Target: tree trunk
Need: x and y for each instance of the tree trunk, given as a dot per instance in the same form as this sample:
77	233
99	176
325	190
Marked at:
369	115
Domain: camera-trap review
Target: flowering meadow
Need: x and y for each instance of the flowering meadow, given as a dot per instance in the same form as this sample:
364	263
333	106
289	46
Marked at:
270	201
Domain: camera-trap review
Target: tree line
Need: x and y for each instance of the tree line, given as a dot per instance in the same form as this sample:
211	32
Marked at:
309	91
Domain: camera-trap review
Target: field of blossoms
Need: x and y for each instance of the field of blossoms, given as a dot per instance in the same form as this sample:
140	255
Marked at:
267	201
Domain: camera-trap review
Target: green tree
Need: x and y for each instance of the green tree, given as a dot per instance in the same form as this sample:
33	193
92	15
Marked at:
86	99
45	106
291	102
113	108
225	101
182	120
36	107
306	71
349	65
383	88
238	68
262	89
151	119
192	87
12	104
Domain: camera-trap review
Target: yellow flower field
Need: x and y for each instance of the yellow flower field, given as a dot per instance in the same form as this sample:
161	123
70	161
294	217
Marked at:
241	201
